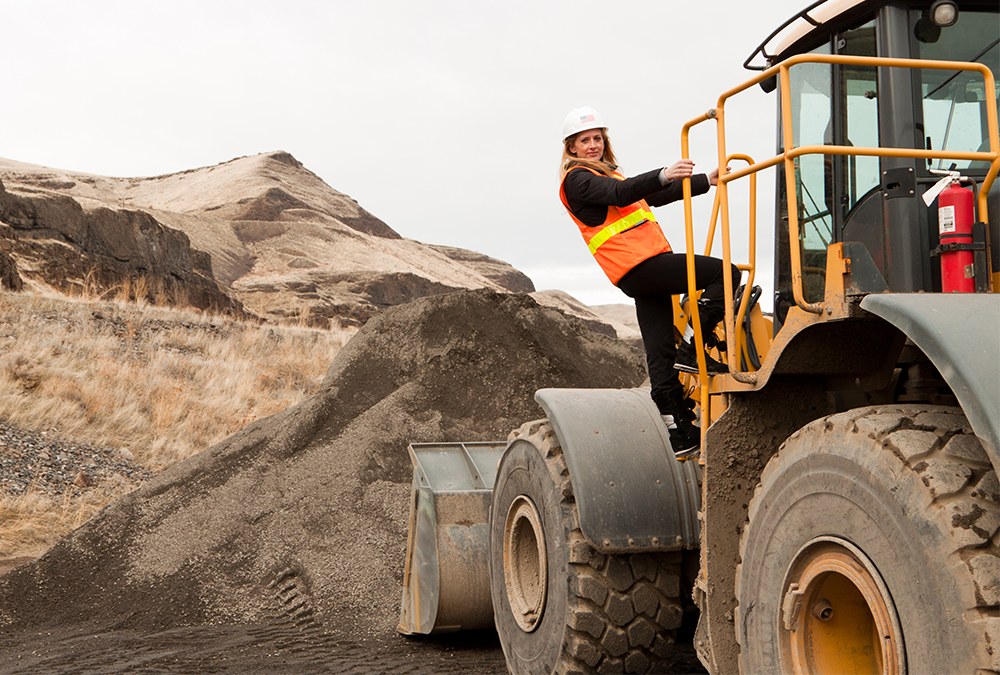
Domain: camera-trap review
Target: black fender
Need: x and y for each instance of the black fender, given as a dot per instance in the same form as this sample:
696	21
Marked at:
632	493
960	334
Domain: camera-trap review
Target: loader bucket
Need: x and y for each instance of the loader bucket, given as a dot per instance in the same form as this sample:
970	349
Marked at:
446	581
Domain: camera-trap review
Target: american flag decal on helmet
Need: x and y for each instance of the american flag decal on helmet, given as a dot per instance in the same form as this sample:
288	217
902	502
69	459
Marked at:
587	118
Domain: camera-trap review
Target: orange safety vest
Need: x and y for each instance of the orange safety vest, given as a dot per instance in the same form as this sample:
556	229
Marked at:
628	235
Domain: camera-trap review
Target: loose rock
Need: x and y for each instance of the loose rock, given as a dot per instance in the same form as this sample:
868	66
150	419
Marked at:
48	462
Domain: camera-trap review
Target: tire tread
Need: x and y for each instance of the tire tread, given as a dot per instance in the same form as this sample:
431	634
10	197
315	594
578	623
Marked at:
623	609
960	500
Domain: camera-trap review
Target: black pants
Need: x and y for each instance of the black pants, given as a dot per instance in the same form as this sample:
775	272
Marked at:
651	284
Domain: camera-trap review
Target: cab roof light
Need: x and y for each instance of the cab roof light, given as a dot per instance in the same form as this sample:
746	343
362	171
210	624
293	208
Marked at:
944	13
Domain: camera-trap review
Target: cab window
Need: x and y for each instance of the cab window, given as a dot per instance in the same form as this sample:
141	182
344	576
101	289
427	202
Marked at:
953	104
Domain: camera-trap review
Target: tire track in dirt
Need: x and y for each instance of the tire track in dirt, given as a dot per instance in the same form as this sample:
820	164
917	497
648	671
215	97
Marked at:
247	649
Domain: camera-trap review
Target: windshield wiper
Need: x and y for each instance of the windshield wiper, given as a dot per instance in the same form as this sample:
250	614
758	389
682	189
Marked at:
974	59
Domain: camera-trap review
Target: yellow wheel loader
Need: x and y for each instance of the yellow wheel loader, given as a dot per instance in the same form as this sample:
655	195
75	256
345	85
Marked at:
843	513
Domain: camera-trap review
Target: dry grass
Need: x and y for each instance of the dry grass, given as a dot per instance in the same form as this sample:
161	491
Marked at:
162	383
31	523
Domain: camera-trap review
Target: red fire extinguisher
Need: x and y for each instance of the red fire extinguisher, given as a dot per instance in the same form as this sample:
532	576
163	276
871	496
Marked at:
955	219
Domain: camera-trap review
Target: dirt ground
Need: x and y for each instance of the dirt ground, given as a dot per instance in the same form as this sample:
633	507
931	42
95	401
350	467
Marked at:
258	649
242	650
252	649
264	649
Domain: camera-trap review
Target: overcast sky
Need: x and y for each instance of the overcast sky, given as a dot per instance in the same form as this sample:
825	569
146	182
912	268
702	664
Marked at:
443	119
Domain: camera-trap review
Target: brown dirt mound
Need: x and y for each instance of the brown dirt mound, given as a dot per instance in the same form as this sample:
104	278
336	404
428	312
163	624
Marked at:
304	513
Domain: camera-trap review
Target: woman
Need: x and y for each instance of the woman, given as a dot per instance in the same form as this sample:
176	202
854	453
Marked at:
613	215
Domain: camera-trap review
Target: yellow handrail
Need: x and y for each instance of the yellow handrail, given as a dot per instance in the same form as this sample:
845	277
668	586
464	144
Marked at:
751	266
699	341
787	157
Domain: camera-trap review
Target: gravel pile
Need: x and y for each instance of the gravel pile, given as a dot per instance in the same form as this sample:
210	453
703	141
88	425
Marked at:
301	518
44	461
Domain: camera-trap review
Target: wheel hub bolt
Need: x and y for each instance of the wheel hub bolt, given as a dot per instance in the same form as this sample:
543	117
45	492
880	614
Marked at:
823	610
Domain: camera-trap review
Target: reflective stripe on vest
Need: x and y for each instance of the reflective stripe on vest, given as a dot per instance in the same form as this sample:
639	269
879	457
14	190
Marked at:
633	219
628	235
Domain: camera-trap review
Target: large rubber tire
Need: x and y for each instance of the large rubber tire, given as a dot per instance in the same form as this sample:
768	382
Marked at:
598	613
906	488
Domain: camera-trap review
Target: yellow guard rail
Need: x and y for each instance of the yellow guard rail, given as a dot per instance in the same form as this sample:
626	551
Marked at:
787	157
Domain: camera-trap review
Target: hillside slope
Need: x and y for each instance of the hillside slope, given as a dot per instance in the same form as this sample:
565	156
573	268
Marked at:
278	238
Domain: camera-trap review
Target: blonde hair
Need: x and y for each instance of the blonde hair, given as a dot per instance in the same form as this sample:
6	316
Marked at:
605	165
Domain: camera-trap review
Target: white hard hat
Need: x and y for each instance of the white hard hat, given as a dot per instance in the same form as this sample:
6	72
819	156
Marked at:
582	119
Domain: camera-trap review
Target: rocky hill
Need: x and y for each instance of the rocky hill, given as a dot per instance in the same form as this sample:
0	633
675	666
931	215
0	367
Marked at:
260	232
55	239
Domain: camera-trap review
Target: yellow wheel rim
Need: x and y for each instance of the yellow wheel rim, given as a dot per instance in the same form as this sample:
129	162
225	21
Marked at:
837	615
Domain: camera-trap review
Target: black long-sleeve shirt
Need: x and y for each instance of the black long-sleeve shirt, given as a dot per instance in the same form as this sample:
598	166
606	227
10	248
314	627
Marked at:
589	195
